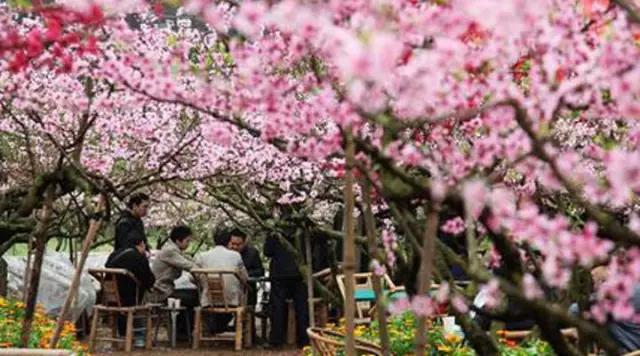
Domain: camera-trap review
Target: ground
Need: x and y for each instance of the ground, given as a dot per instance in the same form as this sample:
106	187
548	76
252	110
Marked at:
184	349
217	351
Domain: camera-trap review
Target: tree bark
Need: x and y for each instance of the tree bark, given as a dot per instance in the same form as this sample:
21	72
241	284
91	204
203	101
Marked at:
370	227
34	283
312	316
94	227
349	249
426	272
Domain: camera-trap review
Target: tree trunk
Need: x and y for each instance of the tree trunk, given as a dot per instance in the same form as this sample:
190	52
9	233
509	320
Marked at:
27	270
348	263
370	227
425	273
94	227
3	277
34	283
312	316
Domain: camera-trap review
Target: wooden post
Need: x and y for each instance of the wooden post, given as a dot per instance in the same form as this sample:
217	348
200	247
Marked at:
425	273
348	263
34	280
307	245
94	227
370	226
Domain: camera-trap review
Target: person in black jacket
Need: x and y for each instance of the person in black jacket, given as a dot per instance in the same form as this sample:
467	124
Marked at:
134	260
286	283
131	221
250	258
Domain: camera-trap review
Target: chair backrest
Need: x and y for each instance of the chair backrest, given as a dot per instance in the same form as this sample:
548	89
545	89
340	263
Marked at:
108	278
214	280
327	343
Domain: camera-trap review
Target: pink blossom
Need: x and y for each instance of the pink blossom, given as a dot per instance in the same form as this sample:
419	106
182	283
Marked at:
475	194
453	226
400	306
459	303
423	306
530	287
492	294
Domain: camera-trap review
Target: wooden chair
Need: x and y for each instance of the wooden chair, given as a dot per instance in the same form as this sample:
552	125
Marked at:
327	343
111	305
364	281
214	280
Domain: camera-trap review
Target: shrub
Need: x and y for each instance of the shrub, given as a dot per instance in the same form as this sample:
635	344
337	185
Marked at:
402	337
11	316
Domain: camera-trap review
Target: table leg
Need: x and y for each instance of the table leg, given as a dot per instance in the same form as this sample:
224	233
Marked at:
188	321
173	328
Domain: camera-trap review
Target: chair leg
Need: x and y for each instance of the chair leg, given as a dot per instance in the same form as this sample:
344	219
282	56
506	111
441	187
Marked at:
250	327
128	342
94	330
149	335
239	329
113	320
197	328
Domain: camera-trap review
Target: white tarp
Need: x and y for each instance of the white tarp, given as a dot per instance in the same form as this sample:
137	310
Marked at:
55	280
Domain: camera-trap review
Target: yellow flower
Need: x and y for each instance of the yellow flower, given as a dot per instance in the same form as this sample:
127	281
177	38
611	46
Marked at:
452	338
3	302
20	305
444	348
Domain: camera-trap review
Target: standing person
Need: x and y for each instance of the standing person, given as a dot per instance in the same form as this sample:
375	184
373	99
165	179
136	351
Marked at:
286	283
221	257
131	221
134	260
250	258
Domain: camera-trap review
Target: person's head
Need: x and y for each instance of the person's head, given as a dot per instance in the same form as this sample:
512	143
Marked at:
181	236
138	204
599	275
221	237
136	240
237	240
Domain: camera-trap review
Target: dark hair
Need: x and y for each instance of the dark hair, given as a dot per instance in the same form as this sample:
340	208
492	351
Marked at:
179	233
222	236
134	238
137	199
238	232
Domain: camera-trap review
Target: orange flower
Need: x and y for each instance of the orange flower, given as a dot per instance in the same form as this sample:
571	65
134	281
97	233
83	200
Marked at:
511	343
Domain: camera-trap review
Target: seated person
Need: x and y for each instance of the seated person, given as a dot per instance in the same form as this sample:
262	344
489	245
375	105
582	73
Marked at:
514	316
625	333
134	260
168	265
250	258
221	257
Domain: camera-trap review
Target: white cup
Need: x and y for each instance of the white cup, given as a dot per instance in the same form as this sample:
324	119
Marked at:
448	324
176	303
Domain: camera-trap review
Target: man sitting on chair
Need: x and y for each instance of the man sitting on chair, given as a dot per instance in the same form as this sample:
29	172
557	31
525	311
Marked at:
223	258
168	265
134	260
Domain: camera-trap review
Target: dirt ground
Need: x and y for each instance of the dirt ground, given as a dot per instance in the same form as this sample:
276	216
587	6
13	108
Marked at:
221	350
184	349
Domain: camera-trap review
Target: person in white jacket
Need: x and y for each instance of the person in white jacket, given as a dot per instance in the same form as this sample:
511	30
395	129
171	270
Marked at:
221	257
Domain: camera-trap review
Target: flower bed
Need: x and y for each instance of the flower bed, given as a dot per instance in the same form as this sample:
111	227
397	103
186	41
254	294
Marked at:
11	316
402	337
